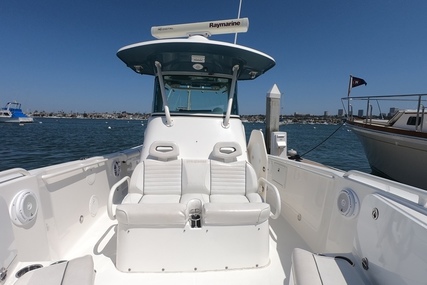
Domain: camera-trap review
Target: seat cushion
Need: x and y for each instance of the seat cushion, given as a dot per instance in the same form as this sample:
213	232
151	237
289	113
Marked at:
160	199
228	199
132	198
185	198
226	214
254	197
313	269
79	271
152	215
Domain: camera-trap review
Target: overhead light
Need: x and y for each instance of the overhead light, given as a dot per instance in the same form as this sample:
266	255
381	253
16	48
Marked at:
253	74
197	66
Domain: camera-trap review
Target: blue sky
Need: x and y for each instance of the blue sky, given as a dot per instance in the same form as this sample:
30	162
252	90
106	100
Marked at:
61	55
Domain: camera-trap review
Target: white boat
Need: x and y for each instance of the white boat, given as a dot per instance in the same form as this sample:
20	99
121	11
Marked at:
198	204
12	113
396	148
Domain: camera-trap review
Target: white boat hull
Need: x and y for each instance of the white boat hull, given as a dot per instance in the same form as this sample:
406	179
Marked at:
399	157
20	120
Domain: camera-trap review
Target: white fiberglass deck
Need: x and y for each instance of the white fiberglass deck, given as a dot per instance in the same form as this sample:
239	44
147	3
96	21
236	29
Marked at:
100	242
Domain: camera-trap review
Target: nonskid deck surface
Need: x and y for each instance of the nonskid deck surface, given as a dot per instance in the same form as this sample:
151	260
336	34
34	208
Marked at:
100	242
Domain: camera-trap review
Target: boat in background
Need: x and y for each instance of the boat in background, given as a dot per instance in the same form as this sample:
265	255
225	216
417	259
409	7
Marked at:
395	144
199	204
12	113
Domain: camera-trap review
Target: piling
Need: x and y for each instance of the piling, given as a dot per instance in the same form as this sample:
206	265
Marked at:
272	114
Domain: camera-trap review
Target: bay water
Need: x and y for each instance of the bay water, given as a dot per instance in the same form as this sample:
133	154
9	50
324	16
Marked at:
51	141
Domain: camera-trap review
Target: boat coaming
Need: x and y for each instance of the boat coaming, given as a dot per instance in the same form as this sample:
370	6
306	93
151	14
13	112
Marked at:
394	153
72	221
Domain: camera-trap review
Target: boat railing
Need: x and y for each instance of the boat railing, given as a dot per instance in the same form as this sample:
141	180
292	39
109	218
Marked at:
394	102
422	117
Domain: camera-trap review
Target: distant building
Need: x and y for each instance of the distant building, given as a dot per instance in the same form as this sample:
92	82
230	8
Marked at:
393	110
340	112
360	113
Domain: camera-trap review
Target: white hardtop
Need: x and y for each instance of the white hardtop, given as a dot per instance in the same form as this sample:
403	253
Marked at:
195	54
195	65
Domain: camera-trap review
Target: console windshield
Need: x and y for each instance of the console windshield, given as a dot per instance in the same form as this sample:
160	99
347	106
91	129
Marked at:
195	94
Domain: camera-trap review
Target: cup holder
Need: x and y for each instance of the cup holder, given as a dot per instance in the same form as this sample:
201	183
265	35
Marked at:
26	269
195	220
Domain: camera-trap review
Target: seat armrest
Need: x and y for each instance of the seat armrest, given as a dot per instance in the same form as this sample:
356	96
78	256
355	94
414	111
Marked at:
277	200
111	207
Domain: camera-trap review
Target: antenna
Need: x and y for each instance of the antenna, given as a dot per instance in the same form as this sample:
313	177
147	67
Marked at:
206	29
238	17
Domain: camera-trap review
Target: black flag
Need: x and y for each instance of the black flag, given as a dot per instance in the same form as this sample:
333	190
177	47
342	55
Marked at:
357	81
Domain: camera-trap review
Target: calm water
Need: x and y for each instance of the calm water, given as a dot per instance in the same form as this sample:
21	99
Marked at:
52	141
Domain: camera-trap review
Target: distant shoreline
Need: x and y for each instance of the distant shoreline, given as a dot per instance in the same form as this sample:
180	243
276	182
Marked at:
284	119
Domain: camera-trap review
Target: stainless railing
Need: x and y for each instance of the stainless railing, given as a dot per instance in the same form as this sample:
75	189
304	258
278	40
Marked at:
409	101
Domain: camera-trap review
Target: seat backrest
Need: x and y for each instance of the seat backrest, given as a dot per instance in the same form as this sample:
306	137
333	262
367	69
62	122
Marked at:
162	177
136	184
228	178
229	175
237	177
160	173
391	239
196	176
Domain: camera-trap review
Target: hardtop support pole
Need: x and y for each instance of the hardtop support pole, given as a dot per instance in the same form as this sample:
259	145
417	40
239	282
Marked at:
230	97
162	90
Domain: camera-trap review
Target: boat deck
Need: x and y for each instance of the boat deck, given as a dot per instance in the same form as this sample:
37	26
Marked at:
100	242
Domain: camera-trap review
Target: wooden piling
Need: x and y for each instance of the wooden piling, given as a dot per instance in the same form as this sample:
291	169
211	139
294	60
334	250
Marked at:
272	115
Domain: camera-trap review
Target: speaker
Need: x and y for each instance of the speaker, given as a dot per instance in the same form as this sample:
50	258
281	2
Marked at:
23	208
348	203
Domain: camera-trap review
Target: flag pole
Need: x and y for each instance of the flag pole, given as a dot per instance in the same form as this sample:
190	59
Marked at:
348	96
